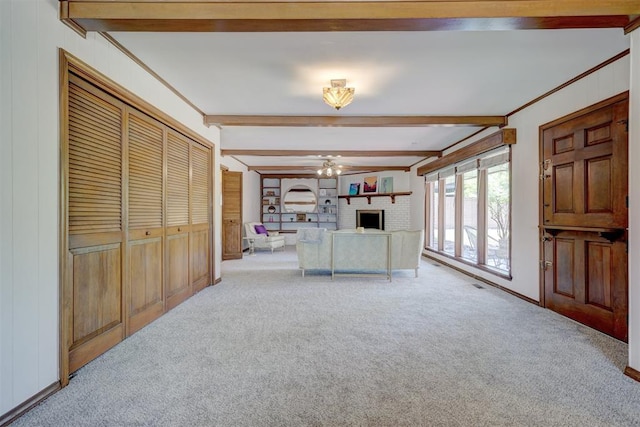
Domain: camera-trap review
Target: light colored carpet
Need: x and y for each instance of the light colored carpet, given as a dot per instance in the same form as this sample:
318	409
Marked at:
266	347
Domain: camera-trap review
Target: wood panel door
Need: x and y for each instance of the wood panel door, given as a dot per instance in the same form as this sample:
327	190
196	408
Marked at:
231	215
200	238
584	216
177	253
146	220
92	289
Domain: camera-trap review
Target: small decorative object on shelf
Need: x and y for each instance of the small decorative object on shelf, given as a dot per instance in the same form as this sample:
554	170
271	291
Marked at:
271	209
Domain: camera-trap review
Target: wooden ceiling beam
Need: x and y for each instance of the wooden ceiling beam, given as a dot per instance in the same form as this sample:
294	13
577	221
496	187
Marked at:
326	153
384	15
355	121
495	140
344	168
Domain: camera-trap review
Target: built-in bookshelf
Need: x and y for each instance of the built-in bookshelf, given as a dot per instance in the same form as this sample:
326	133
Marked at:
317	205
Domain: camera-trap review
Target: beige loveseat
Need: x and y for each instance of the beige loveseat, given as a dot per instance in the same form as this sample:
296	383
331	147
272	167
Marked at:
314	247
272	240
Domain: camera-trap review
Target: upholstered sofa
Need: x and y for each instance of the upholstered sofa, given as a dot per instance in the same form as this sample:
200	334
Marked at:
263	239
314	248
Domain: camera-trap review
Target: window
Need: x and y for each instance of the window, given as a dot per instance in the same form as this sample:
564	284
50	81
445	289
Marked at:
470	215
476	219
449	215
498	216
433	223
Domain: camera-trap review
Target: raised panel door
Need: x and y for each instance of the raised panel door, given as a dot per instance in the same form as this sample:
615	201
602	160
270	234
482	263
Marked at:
146	220
200	190
231	215
92	310
585	170
584	216
177	231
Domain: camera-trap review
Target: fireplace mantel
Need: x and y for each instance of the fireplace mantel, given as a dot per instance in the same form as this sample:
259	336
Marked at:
369	196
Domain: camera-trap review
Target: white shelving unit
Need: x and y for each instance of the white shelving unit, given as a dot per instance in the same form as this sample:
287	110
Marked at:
275	219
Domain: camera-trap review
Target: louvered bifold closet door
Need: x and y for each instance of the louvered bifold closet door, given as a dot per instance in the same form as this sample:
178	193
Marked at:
200	216
146	220
92	287
178	283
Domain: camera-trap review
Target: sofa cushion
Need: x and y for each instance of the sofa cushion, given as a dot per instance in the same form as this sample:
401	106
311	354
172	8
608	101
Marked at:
260	229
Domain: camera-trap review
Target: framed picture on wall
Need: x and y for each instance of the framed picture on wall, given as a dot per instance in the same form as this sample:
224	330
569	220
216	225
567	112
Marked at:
354	188
370	185
386	185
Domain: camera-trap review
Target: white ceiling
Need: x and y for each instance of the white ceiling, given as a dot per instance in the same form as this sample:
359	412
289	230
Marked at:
394	73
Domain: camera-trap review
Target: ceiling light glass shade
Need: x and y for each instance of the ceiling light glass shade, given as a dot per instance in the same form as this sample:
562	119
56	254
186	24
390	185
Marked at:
338	95
329	168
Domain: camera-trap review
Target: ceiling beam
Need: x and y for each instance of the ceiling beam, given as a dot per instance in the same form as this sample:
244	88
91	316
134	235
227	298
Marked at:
495	140
355	121
344	168
383	15
323	153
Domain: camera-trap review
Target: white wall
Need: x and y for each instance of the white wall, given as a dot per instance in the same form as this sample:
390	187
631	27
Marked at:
30	36
634	204
397	216
607	82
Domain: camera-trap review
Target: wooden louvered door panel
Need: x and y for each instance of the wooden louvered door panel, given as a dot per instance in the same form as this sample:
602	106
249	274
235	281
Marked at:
200	190
177	259
93	288
231	215
584	187
146	221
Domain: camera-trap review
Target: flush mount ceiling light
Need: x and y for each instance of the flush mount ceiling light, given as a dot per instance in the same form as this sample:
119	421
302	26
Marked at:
338	95
329	168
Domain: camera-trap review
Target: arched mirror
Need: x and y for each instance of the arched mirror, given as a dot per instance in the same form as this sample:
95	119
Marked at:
300	198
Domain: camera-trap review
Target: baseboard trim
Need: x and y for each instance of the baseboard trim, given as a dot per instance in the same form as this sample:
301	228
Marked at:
25	406
632	373
218	280
482	279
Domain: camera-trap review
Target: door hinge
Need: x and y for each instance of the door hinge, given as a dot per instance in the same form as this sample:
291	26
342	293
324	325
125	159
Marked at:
543	167
545	264
626	201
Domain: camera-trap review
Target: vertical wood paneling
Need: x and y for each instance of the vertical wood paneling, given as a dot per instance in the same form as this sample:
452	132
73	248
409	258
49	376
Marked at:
30	34
25	195
634	203
7	327
48	149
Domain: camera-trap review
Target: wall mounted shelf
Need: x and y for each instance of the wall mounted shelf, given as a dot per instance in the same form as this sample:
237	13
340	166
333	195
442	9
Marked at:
369	196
